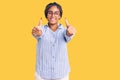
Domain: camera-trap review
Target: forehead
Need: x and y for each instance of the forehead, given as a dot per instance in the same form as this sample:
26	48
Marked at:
53	8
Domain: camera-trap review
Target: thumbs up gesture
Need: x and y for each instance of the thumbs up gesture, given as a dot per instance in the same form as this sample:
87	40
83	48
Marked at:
36	31
70	29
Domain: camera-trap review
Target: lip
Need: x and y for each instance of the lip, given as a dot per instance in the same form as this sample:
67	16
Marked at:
52	19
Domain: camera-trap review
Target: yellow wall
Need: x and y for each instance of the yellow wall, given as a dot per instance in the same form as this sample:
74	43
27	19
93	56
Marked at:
94	52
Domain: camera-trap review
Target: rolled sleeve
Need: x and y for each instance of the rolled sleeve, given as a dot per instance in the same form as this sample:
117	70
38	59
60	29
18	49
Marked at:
68	38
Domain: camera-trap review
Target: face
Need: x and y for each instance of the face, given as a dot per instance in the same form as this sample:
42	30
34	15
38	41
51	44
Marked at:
53	15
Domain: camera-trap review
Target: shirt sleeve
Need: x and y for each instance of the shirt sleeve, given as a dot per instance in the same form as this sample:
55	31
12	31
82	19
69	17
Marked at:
67	38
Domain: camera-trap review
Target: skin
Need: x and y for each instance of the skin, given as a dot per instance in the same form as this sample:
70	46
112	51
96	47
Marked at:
53	17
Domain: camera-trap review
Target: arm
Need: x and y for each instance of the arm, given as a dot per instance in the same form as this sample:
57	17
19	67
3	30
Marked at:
69	32
37	32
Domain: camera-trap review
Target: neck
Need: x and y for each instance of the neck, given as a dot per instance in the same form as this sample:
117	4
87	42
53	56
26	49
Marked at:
53	27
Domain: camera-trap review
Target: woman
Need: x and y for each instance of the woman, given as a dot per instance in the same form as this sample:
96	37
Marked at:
52	57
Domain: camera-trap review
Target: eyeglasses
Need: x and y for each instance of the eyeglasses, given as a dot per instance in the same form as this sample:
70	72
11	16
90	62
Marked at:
56	13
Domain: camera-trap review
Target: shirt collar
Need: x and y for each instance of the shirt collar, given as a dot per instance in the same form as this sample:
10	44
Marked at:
59	26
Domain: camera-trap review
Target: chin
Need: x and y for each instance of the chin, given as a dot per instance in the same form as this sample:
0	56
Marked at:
52	23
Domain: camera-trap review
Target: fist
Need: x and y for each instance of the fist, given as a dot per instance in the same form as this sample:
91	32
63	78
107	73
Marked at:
36	31
70	29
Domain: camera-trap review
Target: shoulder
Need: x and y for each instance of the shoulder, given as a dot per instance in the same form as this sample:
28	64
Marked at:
61	27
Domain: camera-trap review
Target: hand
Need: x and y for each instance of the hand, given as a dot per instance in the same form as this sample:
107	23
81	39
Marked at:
36	31
70	29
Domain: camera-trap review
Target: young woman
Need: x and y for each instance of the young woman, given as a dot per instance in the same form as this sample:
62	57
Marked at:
52	58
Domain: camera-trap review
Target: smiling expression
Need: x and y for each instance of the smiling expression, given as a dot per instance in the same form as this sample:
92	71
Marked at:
53	15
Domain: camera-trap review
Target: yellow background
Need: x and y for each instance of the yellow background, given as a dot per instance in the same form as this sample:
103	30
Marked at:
94	52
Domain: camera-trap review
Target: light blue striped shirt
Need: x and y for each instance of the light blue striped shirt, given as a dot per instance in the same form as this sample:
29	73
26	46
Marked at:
52	56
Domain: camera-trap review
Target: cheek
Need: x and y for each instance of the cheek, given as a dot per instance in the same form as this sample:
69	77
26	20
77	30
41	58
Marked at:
48	18
59	17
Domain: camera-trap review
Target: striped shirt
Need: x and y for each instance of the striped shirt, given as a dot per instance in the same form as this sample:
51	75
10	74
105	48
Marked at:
52	56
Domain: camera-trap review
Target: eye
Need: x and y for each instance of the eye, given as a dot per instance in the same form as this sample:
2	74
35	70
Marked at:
50	12
56	13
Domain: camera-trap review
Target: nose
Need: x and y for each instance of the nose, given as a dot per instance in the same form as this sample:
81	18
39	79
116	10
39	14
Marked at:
53	15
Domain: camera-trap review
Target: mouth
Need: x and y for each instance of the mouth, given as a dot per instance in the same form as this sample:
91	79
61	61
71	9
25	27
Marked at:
52	19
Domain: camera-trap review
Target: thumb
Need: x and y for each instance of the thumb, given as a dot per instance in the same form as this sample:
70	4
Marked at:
67	23
40	23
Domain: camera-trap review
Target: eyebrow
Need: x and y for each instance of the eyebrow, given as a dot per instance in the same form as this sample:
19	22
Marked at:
53	11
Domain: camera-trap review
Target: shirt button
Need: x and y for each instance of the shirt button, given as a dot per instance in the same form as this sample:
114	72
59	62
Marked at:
53	56
53	45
